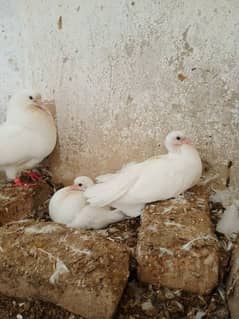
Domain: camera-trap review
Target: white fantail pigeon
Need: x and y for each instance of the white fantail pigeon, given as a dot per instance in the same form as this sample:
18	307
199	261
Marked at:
68	206
27	136
158	178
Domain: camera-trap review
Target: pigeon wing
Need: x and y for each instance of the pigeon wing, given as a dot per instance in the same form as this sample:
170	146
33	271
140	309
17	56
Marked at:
109	191
14	145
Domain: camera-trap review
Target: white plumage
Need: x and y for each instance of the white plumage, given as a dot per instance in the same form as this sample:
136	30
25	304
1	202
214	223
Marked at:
106	177
158	178
27	136
69	206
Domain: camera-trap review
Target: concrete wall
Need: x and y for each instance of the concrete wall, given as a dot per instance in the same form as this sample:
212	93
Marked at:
124	73
11	52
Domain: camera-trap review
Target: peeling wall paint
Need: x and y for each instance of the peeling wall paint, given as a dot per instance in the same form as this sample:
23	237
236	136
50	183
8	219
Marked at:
124	73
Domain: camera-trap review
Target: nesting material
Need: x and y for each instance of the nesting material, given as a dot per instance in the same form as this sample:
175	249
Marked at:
177	247
17	202
78	270
233	283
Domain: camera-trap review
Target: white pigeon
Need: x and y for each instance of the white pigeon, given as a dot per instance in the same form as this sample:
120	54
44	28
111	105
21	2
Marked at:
158	178
69	206
27	136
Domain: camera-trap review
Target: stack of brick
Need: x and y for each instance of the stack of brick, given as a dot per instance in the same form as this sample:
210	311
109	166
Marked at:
78	270
177	247
17	202
233	283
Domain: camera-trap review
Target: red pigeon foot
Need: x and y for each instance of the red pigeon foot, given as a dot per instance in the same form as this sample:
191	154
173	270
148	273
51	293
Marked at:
34	176
17	182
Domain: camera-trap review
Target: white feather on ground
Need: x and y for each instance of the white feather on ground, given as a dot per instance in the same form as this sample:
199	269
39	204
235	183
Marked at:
226	196
69	206
27	136
158	178
229	223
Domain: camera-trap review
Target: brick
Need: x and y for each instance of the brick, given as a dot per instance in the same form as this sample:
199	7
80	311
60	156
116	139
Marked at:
78	270
233	284
16	202
177	247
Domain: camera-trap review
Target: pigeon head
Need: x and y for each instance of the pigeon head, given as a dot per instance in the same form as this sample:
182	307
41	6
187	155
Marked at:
174	140
26	99
81	183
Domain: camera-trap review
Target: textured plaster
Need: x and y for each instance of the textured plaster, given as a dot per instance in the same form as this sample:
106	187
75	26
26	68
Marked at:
11	52
124	73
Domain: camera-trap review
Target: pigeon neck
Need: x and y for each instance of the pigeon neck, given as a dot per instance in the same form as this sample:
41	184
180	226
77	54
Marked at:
173	148
179	149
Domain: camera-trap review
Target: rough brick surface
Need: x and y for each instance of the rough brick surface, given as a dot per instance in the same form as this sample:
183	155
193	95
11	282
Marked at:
16	202
233	284
78	270
177	247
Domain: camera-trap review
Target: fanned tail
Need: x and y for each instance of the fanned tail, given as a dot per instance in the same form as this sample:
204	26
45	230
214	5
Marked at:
104	178
105	193
107	177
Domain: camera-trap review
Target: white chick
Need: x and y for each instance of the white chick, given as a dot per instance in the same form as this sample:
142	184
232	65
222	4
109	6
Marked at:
69	206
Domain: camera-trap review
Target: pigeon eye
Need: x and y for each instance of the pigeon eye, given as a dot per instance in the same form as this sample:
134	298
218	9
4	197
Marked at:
30	97
80	184
178	138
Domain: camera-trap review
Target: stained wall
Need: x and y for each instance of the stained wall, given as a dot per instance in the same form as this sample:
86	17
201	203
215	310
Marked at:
124	73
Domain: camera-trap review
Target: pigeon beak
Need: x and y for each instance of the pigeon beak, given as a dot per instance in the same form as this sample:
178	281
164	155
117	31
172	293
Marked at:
74	187
41	105
186	140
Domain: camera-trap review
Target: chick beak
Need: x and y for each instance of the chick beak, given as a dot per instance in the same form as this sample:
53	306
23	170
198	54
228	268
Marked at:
74	187
186	140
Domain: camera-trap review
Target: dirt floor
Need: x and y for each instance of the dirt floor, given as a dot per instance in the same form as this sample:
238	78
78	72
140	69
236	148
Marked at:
138	301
